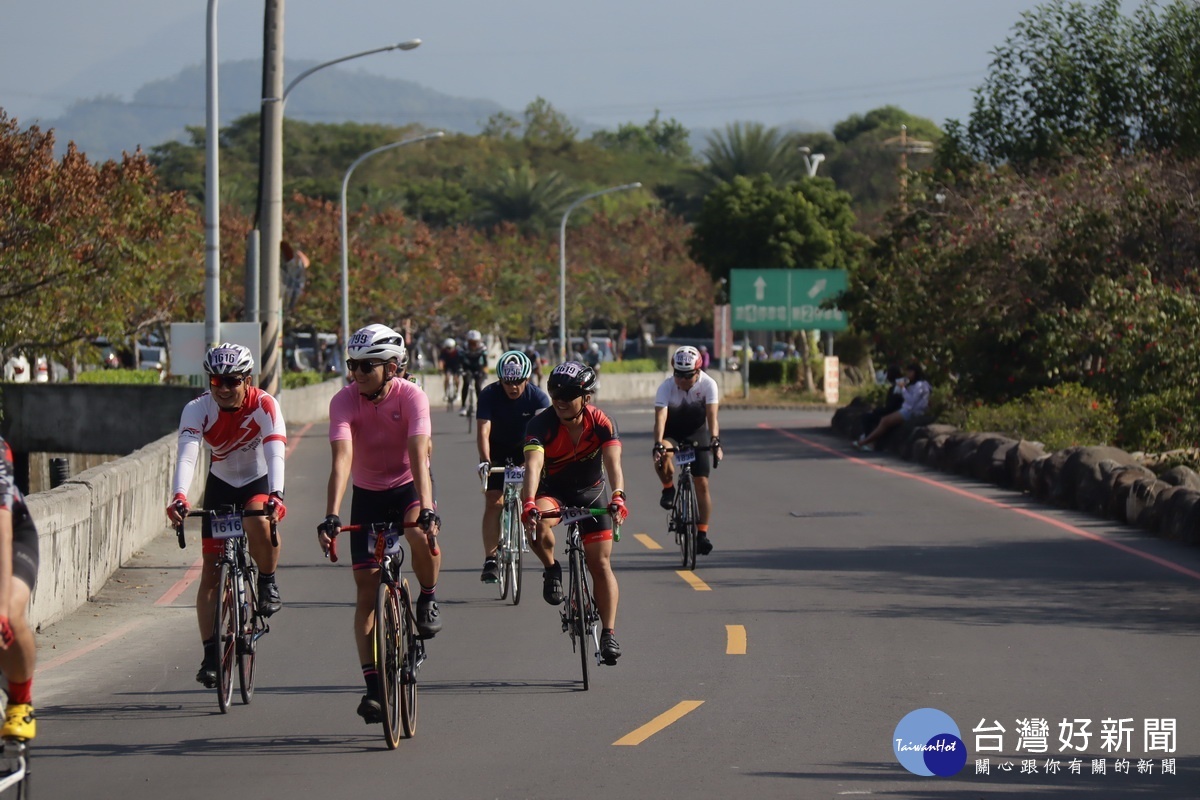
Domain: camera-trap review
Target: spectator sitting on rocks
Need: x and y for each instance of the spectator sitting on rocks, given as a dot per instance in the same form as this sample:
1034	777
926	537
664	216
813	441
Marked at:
915	390
895	399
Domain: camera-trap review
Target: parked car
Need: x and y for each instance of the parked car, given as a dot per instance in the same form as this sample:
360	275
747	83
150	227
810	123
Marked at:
153	357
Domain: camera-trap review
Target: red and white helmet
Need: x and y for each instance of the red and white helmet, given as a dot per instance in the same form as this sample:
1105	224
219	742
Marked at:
686	360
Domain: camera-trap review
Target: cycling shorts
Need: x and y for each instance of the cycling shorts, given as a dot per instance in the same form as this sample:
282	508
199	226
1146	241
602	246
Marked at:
596	529
25	551
700	467
218	493
377	505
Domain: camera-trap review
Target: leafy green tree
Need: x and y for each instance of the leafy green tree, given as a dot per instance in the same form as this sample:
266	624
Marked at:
656	137
520	196
548	128
758	223
1074	77
747	150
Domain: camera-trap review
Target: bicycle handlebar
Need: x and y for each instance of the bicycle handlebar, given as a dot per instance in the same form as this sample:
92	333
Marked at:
430	536
212	512
708	447
567	510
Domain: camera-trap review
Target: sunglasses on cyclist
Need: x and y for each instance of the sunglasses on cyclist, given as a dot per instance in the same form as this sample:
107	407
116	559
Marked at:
228	381
354	364
684	375
567	395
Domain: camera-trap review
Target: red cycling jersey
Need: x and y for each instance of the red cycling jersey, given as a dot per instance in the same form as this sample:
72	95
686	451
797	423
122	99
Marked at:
569	465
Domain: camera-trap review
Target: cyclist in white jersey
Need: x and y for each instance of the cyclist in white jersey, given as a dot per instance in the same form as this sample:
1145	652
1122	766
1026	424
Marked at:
244	430
684	404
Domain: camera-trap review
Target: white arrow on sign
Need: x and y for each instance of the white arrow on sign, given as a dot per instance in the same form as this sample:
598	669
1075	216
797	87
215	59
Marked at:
817	287
760	287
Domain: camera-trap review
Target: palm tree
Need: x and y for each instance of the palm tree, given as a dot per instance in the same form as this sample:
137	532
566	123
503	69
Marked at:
749	149
519	196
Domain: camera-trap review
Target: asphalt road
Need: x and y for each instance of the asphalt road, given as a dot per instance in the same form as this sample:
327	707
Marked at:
860	588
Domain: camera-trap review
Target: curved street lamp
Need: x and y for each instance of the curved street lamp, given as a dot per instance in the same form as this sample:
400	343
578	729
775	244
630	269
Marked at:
411	44
345	237
562	263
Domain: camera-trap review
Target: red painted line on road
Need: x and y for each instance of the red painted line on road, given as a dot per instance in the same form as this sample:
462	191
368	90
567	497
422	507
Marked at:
295	440
1057	523
87	648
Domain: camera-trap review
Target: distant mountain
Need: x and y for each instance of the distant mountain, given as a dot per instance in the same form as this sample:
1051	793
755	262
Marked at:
160	111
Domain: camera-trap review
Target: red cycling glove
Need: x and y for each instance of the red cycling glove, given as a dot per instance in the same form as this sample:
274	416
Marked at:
529	513
7	637
280	508
178	508
617	507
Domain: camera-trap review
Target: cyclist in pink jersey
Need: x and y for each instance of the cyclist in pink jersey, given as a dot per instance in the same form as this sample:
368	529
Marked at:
379	432
244	430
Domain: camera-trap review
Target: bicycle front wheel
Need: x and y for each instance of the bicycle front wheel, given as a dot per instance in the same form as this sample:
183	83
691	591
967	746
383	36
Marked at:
227	636
411	654
387	661
503	553
247	644
515	554
578	593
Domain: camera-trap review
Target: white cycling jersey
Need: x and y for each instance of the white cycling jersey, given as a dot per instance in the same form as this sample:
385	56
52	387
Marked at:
245	444
686	411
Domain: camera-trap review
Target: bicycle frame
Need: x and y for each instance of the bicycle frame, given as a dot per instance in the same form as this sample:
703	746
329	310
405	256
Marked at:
513	544
685	512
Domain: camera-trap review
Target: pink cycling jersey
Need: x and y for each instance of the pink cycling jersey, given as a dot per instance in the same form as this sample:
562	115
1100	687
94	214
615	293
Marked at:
380	433
245	443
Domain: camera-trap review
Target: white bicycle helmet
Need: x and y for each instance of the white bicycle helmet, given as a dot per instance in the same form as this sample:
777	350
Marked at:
686	360
448	344
474	336
229	359
377	341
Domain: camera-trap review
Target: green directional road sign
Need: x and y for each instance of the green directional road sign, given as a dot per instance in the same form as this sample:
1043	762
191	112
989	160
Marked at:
786	299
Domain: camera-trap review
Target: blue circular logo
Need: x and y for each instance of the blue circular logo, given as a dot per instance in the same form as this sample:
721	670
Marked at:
927	742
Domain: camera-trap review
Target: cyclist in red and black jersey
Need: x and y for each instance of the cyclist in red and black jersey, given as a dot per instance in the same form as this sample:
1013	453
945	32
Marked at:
18	575
568	449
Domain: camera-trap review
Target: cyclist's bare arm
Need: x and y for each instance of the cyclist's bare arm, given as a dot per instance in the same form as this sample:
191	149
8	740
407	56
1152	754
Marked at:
6	559
660	423
612	467
339	473
418	459
534	460
483	429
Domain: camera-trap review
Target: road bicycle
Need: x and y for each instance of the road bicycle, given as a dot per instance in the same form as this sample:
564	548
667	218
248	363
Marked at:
237	622
14	768
451	388
685	512
513	545
580	616
399	651
472	397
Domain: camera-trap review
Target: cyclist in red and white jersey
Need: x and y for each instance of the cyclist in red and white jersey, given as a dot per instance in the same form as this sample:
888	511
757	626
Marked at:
244	430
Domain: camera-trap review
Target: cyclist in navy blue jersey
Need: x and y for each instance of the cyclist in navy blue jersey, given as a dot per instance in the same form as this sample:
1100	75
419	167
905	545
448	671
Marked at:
505	408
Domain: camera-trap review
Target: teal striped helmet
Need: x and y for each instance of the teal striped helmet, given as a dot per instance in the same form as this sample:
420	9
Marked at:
514	367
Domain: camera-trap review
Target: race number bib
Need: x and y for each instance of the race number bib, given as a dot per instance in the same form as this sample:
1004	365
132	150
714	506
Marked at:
512	371
514	475
685	456
223	357
227	526
575	514
384	543
569	368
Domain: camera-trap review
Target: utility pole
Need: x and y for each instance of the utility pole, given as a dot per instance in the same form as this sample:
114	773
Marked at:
905	145
271	208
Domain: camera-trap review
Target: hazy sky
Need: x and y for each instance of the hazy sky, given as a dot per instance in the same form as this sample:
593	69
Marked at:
703	62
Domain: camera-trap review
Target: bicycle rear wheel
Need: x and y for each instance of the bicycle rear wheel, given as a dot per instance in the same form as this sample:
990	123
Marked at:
412	649
578	612
685	524
227	636
387	661
515	554
246	642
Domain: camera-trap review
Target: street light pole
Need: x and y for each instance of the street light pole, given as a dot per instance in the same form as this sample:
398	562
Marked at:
212	189
271	196
562	263
345	237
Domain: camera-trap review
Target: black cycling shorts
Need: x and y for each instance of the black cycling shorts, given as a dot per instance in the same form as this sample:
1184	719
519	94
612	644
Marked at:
218	493
591	530
700	467
382	505
25	551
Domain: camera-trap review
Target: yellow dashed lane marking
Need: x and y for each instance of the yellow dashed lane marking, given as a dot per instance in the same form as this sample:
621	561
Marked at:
693	580
658	723
736	640
647	542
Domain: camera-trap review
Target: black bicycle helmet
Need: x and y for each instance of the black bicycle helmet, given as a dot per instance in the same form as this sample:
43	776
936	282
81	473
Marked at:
570	380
